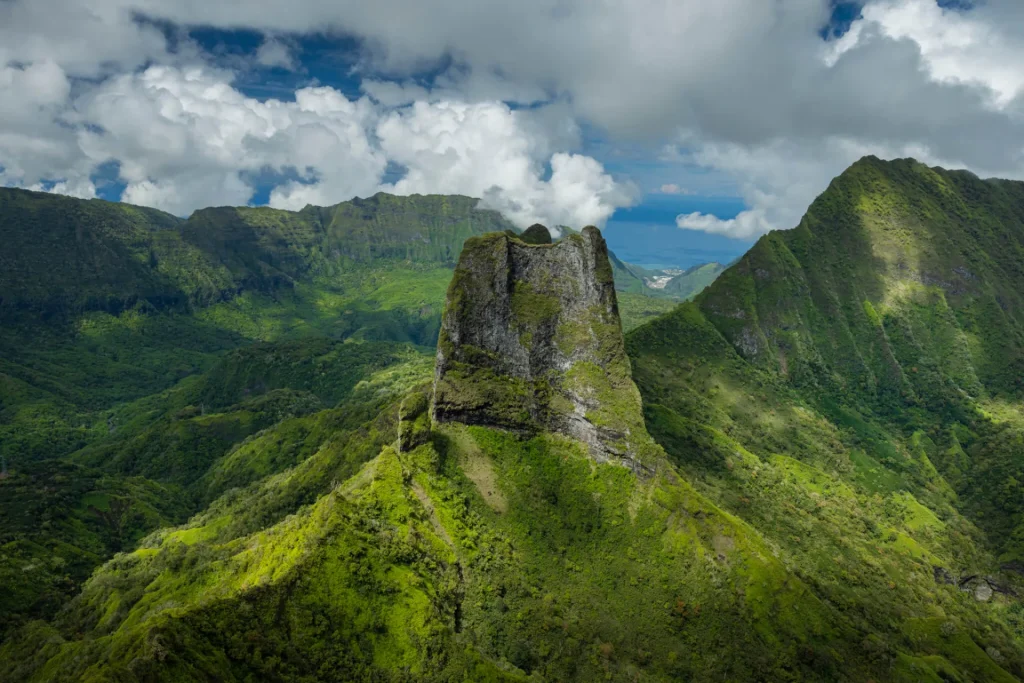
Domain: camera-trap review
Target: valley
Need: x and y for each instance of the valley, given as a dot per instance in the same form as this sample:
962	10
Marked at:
225	458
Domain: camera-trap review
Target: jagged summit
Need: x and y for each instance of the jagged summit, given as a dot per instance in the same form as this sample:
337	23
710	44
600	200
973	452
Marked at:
883	286
531	340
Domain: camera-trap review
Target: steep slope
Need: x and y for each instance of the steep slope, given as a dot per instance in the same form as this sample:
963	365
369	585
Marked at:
68	255
848	390
626	276
156	461
148	364
531	338
693	281
836	497
897	265
900	297
466	552
460	552
62	253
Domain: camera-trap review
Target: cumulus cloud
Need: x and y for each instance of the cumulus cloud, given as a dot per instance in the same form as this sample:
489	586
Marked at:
956	47
83	188
744	88
187	138
36	144
183	139
958	73
87	38
275	53
487	150
779	181
776	198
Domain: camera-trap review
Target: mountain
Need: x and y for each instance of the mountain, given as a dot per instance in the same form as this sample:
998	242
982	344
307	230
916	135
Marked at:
68	254
149	363
809	472
690	282
531	340
673	283
850	389
899	297
567	548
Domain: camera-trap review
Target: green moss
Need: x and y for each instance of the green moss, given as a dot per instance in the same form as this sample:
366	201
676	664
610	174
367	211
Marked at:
532	309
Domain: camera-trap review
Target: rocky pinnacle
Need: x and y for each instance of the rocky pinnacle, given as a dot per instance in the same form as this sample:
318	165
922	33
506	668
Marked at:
531	341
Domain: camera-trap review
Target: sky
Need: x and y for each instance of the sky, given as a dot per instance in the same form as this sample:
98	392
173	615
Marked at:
685	128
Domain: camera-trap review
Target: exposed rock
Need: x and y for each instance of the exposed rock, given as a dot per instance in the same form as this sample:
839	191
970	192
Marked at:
531	341
942	575
984	587
413	422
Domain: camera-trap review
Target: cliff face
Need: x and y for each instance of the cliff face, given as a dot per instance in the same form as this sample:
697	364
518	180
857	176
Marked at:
531	340
64	255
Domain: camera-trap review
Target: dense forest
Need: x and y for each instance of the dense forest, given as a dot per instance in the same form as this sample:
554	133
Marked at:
223	460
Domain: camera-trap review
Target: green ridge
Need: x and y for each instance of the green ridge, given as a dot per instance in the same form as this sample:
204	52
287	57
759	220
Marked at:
838	423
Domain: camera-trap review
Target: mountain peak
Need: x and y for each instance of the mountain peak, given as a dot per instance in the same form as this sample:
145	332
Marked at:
531	341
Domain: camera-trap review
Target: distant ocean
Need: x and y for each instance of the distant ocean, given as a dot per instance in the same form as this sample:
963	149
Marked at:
647	234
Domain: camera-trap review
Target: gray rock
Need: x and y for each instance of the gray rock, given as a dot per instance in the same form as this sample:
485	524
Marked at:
531	341
942	575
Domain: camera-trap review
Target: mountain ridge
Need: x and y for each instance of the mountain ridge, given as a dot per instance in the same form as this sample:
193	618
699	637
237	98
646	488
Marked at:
836	489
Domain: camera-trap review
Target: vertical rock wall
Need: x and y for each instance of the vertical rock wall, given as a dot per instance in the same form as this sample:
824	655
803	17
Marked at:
531	341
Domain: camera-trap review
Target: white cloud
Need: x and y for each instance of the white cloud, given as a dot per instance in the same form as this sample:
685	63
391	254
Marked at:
957	47
185	138
751	83
674	188
275	53
86	38
83	188
487	150
35	143
392	94
778	182
32	91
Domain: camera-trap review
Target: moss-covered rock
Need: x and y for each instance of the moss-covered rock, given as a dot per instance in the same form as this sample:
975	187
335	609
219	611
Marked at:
536	234
531	341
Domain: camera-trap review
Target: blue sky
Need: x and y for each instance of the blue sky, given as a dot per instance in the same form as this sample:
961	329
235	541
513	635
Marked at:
687	129
645	233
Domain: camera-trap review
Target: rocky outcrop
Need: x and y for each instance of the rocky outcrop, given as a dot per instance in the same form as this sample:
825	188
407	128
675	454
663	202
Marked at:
531	341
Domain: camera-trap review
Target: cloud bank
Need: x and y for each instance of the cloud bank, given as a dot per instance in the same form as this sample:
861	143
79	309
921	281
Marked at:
498	100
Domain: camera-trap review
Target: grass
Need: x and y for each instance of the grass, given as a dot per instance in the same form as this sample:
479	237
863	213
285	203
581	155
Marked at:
832	420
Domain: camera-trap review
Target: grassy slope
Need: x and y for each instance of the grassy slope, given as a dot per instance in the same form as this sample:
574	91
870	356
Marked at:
850	390
480	556
800	544
151	355
693	281
898	301
116	320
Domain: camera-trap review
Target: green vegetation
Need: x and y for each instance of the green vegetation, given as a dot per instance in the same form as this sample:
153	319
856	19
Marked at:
671	285
158	363
834	392
693	281
251	488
